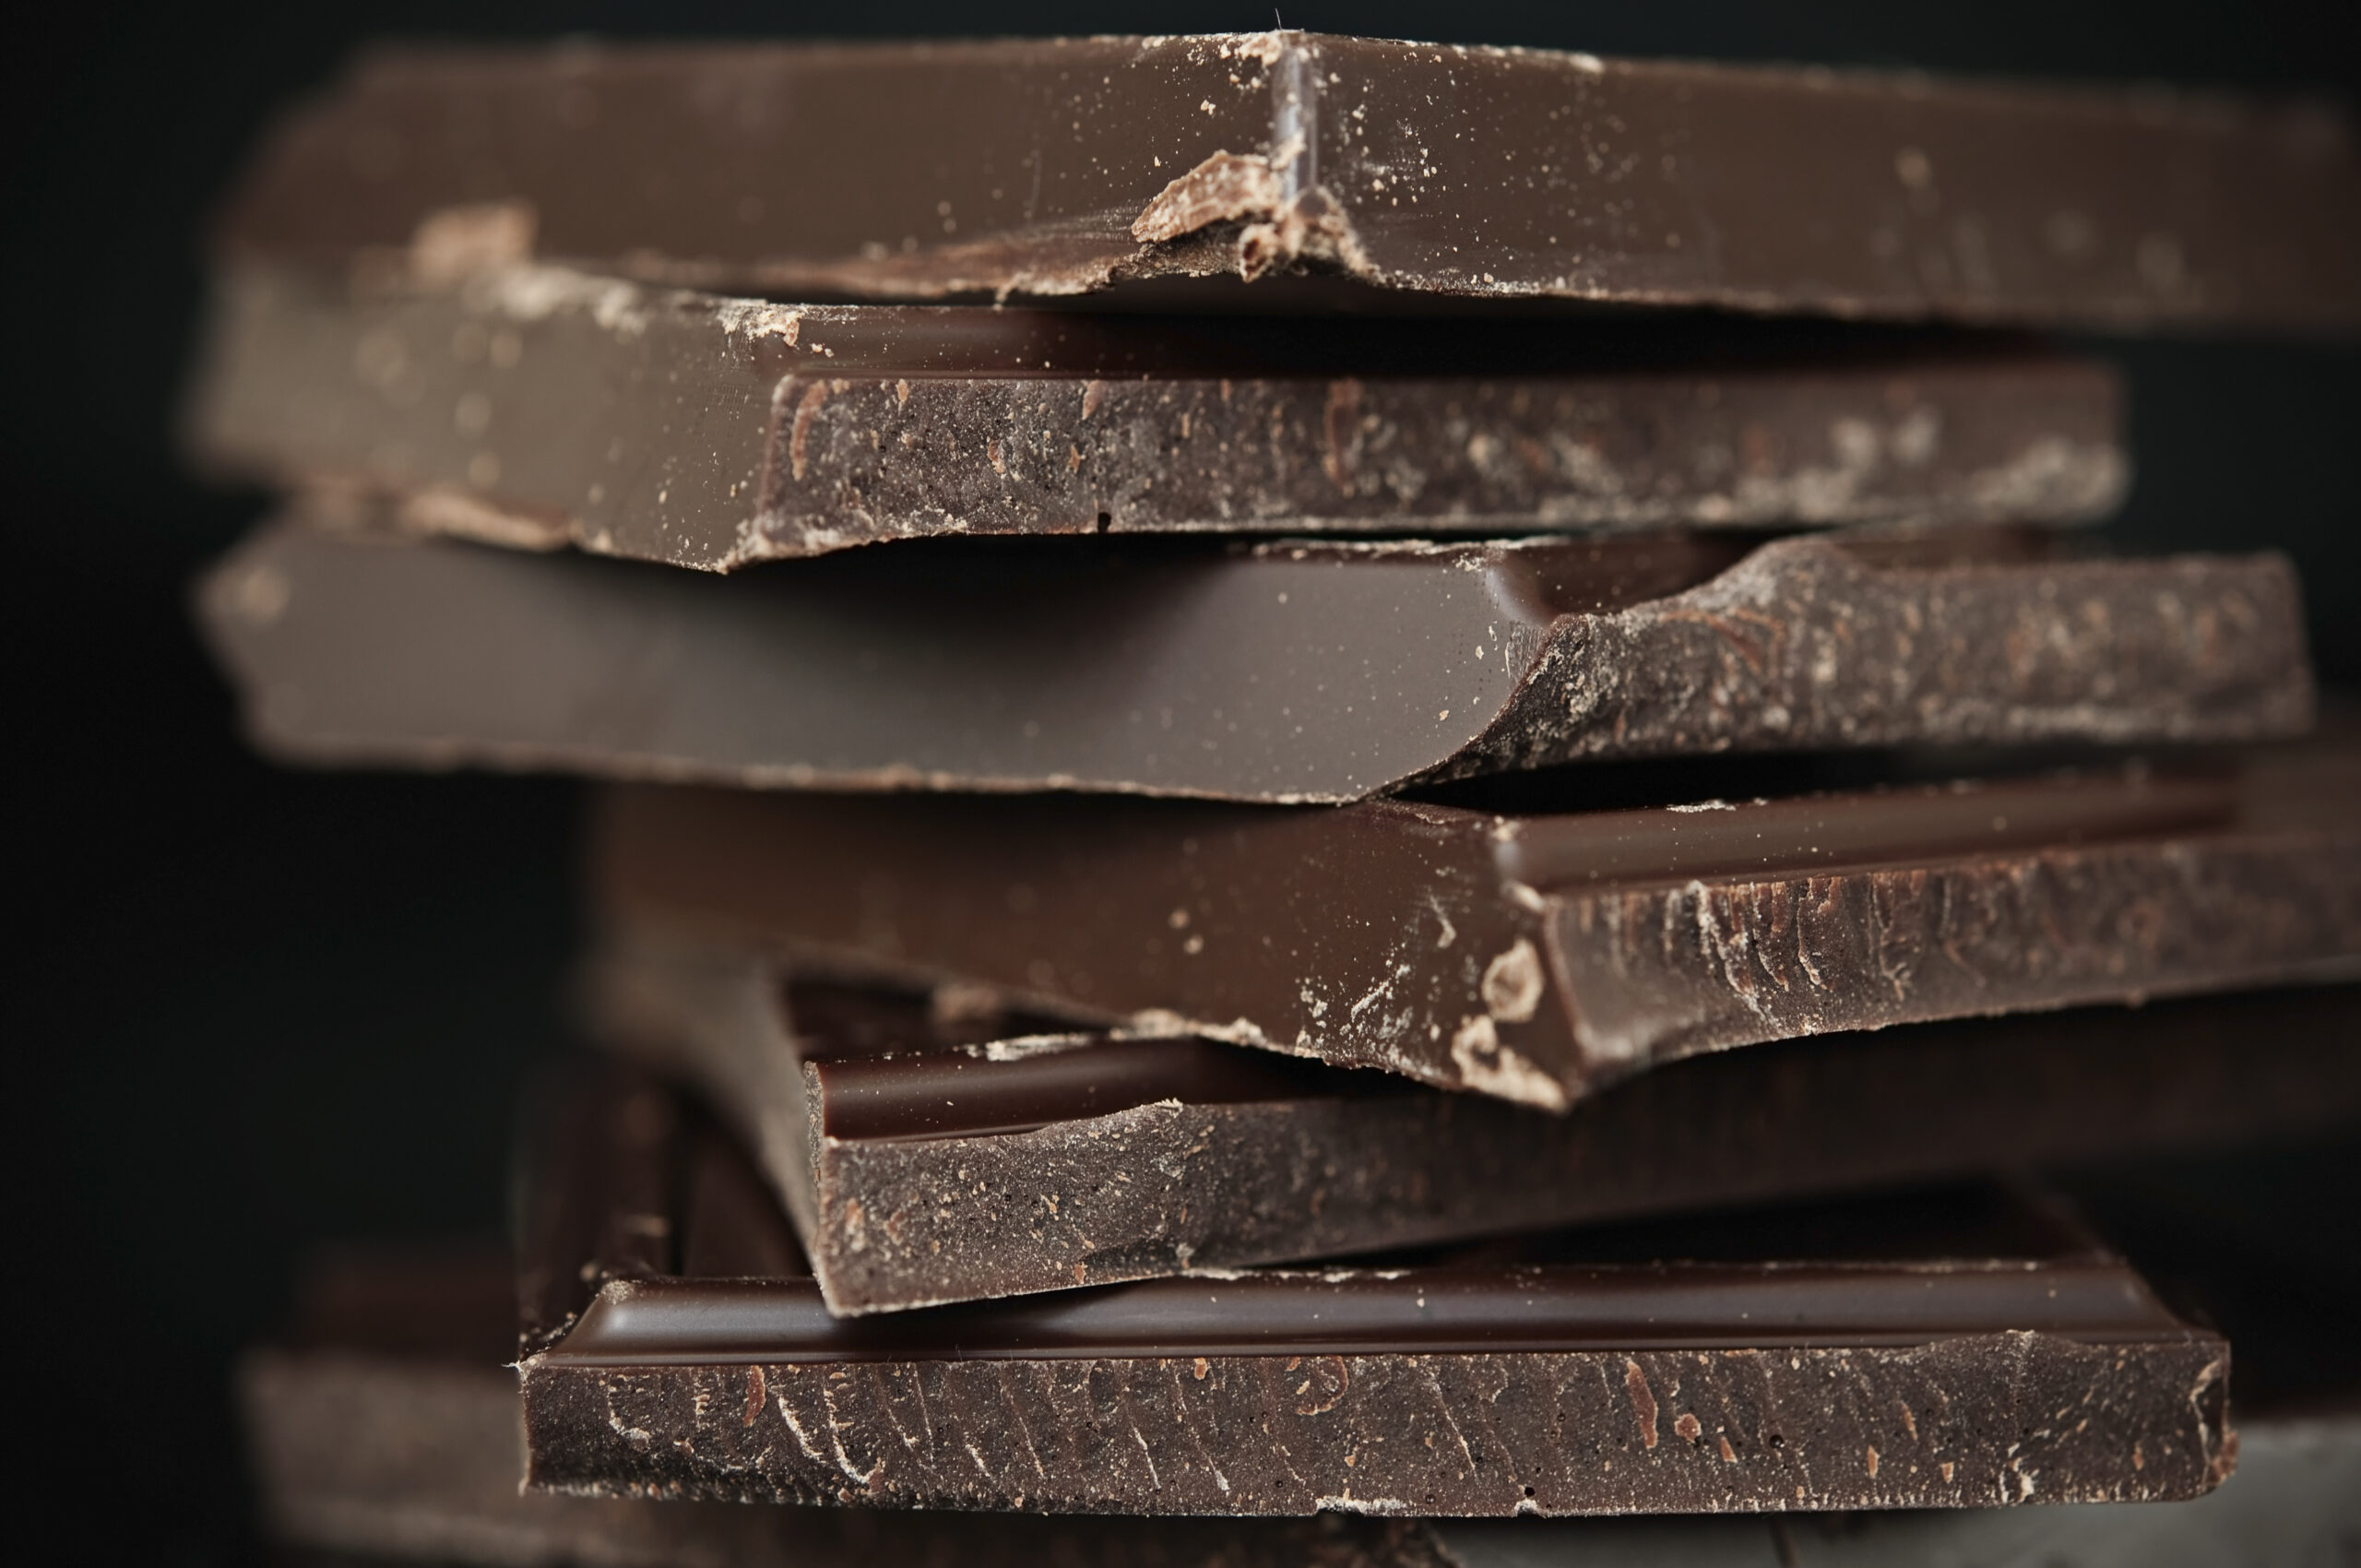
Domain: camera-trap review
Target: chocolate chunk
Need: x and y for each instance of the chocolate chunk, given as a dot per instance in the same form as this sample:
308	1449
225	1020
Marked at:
926	1160
410	1450
1921	1373
535	406
1055	167
1271	672
1537	957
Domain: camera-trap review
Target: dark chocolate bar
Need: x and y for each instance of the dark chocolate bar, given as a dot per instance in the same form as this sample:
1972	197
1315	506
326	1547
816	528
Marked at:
1539	955
1273	672
407	1448
1977	1354
414	1455
532	405
927	1157
1057	166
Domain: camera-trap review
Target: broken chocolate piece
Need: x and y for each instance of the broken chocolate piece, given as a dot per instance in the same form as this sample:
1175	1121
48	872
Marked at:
411	1450
1057	166
1538	957
1282	672
897	1140
534	406
1922	1374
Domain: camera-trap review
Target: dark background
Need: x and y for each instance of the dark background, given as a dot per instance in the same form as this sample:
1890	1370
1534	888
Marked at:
248	1010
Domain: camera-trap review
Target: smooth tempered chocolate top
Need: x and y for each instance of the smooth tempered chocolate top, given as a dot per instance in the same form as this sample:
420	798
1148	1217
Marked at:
1058	166
1438	1311
1715	839
957	1096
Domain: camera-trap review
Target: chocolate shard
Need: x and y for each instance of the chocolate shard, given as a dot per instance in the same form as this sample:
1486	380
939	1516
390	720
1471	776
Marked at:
1056	167
1883	1370
926	1157
536	406
1276	672
410	1450
1538	957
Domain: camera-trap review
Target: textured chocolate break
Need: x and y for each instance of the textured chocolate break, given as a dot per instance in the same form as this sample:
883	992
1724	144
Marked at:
535	406
928	1159
1282	672
1057	166
1538	955
1912	1373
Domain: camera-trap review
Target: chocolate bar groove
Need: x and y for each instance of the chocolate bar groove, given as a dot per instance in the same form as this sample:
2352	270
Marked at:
663	1323
960	1097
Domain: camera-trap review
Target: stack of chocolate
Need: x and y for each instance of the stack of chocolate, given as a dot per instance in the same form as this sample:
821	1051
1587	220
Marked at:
1536	747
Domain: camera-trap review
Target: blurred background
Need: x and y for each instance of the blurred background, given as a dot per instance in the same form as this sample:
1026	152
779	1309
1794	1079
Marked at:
251	1010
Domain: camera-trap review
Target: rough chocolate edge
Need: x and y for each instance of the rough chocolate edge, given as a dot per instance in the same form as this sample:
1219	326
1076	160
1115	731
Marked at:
1974	1421
744	444
1804	644
1652	974
2027	441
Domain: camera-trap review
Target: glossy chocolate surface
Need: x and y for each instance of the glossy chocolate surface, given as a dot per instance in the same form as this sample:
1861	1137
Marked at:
1058	166
1305	672
961	1097
536	406
1538	955
1420	1310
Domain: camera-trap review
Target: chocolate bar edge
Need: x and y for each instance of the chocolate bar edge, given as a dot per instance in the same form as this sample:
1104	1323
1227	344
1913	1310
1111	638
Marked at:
1339	670
1151	1188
